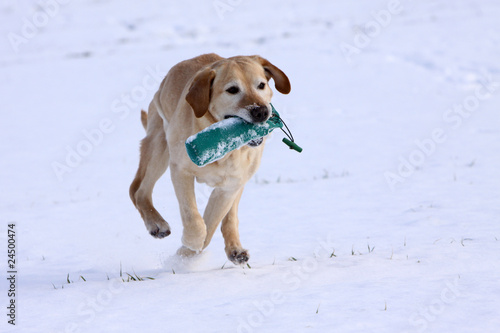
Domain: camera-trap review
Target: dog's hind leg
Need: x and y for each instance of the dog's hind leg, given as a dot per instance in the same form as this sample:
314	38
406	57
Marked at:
153	164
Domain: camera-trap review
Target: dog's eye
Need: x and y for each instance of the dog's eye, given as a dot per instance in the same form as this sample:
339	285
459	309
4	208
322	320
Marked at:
261	86
233	90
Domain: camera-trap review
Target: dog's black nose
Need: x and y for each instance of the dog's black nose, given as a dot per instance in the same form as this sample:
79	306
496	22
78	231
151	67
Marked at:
259	113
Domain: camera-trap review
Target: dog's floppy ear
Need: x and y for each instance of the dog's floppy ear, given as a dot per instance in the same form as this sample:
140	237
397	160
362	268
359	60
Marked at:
198	95
281	81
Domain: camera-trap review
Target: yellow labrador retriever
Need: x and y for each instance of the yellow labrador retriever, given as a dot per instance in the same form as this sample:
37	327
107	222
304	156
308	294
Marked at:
195	94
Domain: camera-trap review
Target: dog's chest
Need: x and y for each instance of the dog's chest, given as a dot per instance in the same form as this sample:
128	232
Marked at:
216	176
232	171
219	180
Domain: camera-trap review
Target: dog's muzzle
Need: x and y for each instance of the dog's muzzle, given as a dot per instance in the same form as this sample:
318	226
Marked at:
259	113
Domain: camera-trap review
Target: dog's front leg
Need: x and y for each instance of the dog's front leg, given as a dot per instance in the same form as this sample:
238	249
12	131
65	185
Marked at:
234	251
223	205
220	202
195	231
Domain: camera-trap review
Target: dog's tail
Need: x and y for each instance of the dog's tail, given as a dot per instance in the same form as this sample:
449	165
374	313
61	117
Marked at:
144	119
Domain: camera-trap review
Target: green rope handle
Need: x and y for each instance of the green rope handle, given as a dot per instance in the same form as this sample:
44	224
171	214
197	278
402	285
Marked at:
292	145
290	142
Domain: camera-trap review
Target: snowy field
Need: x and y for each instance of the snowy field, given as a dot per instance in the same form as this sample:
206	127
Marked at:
389	221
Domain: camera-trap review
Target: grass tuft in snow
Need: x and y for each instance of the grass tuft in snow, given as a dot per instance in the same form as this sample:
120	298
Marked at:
464	240
133	277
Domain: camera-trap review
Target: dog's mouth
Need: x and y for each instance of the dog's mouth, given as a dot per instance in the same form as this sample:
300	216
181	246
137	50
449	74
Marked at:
255	143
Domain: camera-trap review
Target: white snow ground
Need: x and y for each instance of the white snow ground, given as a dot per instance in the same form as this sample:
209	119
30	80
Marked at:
394	102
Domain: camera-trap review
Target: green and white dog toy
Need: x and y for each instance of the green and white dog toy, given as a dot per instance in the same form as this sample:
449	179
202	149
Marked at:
215	141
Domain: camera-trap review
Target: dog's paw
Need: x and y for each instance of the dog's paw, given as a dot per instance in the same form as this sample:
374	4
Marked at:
160	234
238	257
194	239
195	245
159	230
186	252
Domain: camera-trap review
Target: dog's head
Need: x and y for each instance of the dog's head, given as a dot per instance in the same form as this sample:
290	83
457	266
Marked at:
237	86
